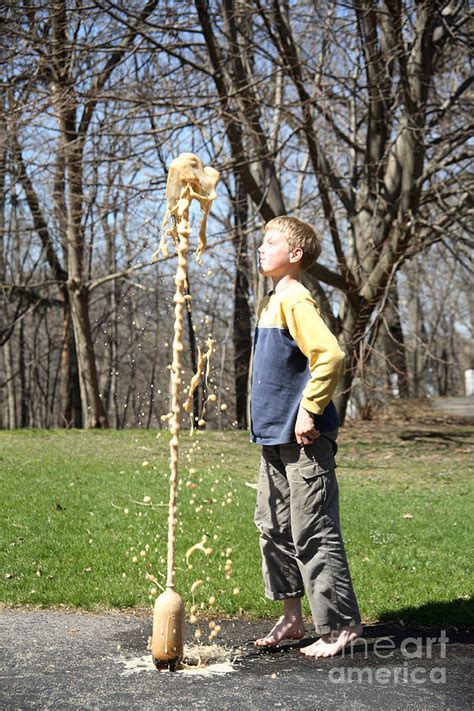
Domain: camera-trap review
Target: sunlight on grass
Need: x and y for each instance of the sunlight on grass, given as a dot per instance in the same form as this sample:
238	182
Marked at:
84	522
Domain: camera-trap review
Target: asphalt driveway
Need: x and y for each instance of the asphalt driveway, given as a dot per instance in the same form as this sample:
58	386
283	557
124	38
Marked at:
73	660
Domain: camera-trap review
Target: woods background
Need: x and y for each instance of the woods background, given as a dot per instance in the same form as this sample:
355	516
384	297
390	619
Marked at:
354	116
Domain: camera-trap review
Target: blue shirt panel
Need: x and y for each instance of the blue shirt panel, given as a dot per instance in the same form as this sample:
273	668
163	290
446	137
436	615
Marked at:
280	374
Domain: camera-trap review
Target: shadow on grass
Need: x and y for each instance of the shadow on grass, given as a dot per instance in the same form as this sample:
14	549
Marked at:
457	614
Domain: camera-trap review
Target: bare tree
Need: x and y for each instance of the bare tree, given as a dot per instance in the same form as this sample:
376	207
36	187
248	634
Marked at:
74	92
384	109
353	116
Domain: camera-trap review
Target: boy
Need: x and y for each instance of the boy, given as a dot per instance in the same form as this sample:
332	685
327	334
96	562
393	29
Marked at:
296	366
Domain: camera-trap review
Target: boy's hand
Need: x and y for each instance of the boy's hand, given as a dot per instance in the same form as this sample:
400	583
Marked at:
304	428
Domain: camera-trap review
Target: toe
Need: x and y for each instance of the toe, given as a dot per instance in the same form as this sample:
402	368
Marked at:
323	652
265	642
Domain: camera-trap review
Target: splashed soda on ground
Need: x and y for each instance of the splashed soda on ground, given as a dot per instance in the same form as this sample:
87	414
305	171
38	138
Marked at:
199	659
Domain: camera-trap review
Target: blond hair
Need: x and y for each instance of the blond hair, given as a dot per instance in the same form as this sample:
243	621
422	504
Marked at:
298	234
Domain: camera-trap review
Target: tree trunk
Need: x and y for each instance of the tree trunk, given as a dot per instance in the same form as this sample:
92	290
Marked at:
92	407
471	343
352	339
10	419
343	393
242	326
70	391
192	350
24	390
10	383
415	315
443	372
73	128
394	345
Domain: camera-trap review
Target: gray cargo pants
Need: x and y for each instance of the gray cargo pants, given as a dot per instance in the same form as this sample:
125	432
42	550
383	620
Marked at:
297	514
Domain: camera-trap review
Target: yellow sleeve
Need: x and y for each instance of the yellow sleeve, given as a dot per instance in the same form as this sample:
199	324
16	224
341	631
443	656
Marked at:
319	345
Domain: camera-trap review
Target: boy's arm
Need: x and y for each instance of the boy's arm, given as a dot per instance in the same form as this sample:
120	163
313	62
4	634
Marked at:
325	358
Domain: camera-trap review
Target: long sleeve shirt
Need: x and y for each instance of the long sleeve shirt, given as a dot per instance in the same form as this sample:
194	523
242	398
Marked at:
296	361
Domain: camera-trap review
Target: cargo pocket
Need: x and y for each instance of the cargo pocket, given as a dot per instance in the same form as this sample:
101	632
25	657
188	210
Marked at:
308	486
308	469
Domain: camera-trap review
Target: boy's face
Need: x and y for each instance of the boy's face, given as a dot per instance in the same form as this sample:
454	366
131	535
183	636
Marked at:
275	257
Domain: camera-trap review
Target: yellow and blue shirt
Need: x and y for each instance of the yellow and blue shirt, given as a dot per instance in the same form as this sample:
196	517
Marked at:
296	361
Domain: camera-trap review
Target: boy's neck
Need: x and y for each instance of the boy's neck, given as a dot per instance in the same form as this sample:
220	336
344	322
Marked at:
281	283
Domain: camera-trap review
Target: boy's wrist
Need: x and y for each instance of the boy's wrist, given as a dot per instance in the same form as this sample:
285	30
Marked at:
311	407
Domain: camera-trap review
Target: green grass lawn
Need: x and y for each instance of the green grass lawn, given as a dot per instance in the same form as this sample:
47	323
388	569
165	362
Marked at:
84	520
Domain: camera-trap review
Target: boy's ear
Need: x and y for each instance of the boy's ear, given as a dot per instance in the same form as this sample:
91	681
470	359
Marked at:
296	254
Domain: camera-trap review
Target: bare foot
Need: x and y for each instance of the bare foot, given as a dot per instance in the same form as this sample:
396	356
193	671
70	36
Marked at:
330	644
287	627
